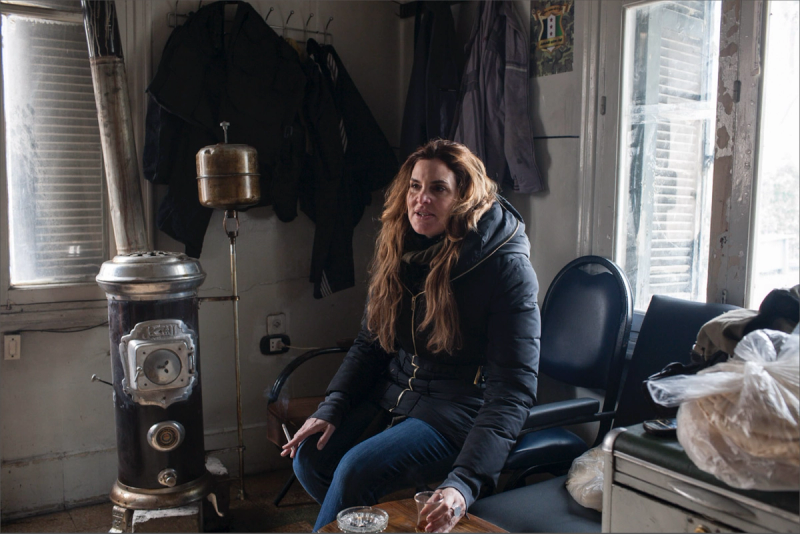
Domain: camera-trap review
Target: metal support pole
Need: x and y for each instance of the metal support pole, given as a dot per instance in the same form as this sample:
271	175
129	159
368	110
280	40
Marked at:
233	216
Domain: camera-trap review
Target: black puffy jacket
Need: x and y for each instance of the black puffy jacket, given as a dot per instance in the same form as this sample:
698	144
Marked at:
495	289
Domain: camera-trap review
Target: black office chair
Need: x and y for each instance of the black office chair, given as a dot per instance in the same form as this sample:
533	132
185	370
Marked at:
293	412
586	323
668	332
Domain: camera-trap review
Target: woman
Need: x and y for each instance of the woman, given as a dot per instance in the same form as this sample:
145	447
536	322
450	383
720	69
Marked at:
448	352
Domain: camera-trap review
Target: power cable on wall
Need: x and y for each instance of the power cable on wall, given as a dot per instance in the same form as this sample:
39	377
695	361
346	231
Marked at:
62	330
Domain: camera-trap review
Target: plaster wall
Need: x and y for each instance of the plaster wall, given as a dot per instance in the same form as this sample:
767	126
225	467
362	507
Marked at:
57	429
553	216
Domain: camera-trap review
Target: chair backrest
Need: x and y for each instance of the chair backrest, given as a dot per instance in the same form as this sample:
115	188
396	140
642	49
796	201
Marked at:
293	411
586	322
275	390
668	333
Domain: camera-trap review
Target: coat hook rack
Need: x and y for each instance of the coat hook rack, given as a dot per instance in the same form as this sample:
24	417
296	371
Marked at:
174	17
409	9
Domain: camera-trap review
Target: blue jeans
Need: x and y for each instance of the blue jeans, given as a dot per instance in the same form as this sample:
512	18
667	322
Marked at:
345	474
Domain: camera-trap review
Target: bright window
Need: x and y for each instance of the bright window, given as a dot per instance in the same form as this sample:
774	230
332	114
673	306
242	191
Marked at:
668	113
57	229
776	253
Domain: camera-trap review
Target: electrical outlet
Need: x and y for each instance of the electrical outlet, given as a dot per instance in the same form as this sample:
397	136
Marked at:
13	346
276	324
275	344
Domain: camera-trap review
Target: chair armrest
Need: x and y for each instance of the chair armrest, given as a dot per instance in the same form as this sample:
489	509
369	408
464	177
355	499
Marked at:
294	364
558	413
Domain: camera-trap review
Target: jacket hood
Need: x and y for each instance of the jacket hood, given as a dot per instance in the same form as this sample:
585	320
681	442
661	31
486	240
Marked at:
500	231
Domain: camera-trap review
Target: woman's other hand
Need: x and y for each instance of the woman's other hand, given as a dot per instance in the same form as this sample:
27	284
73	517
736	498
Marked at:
310	427
443	517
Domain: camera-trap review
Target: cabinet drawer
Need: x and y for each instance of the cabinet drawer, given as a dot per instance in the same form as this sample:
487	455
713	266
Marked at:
632	511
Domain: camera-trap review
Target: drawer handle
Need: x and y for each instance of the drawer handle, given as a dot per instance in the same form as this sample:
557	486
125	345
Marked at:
710	500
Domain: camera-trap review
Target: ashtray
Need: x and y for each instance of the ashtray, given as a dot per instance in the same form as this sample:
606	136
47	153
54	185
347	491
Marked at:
362	519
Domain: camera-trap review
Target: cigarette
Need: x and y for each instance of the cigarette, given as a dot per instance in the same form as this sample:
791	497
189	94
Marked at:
286	433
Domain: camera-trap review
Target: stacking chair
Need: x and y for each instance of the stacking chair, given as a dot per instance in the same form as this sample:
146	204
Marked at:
586	322
667	334
293	412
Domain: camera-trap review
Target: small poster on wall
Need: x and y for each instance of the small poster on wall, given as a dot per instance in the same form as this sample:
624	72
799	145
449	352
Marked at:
552	36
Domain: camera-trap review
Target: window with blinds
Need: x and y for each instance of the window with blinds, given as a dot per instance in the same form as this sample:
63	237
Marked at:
668	112
53	161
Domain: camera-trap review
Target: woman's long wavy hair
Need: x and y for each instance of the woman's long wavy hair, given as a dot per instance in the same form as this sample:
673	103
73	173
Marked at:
475	193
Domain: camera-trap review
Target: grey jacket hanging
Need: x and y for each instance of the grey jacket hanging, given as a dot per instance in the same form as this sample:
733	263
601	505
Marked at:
493	117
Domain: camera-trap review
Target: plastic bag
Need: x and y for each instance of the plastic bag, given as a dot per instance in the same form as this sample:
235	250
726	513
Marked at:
585	479
739	420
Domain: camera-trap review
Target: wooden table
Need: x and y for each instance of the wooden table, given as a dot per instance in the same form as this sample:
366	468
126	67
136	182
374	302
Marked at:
403	518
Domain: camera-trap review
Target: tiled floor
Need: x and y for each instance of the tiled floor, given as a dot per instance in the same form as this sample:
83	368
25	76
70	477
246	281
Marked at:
297	511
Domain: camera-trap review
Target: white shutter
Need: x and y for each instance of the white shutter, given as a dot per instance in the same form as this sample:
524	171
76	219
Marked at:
678	156
667	158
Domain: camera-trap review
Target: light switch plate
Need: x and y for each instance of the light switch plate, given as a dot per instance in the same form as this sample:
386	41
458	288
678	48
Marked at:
13	346
276	324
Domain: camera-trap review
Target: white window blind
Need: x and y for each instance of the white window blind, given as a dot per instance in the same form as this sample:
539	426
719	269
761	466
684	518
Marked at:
54	170
666	154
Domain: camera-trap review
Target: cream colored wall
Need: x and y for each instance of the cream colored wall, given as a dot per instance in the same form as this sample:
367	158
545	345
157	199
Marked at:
58	441
57	429
554	216
274	258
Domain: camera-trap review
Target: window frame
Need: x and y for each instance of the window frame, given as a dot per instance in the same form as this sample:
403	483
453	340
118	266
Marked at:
731	260
732	201
79	303
702	201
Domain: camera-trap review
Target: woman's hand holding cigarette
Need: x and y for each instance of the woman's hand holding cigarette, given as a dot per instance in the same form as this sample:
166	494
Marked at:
310	427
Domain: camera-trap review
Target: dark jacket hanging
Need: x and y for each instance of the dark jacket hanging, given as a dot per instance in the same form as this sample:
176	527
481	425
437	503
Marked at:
493	117
368	164
251	78
435	78
324	188
316	138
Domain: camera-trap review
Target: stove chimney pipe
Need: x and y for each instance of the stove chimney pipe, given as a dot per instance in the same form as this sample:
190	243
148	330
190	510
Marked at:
116	129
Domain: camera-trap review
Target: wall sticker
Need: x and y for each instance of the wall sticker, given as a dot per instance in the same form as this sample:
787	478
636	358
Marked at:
552	36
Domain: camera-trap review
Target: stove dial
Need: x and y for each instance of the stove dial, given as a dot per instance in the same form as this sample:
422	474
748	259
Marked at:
168	477
165	436
162	367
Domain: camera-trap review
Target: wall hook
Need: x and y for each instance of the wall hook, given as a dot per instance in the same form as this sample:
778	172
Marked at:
290	16
329	23
309	19
269	13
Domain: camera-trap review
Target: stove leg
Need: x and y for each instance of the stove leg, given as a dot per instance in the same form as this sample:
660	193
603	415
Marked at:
121	519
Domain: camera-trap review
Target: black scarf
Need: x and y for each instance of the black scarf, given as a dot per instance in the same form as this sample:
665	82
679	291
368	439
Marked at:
418	252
